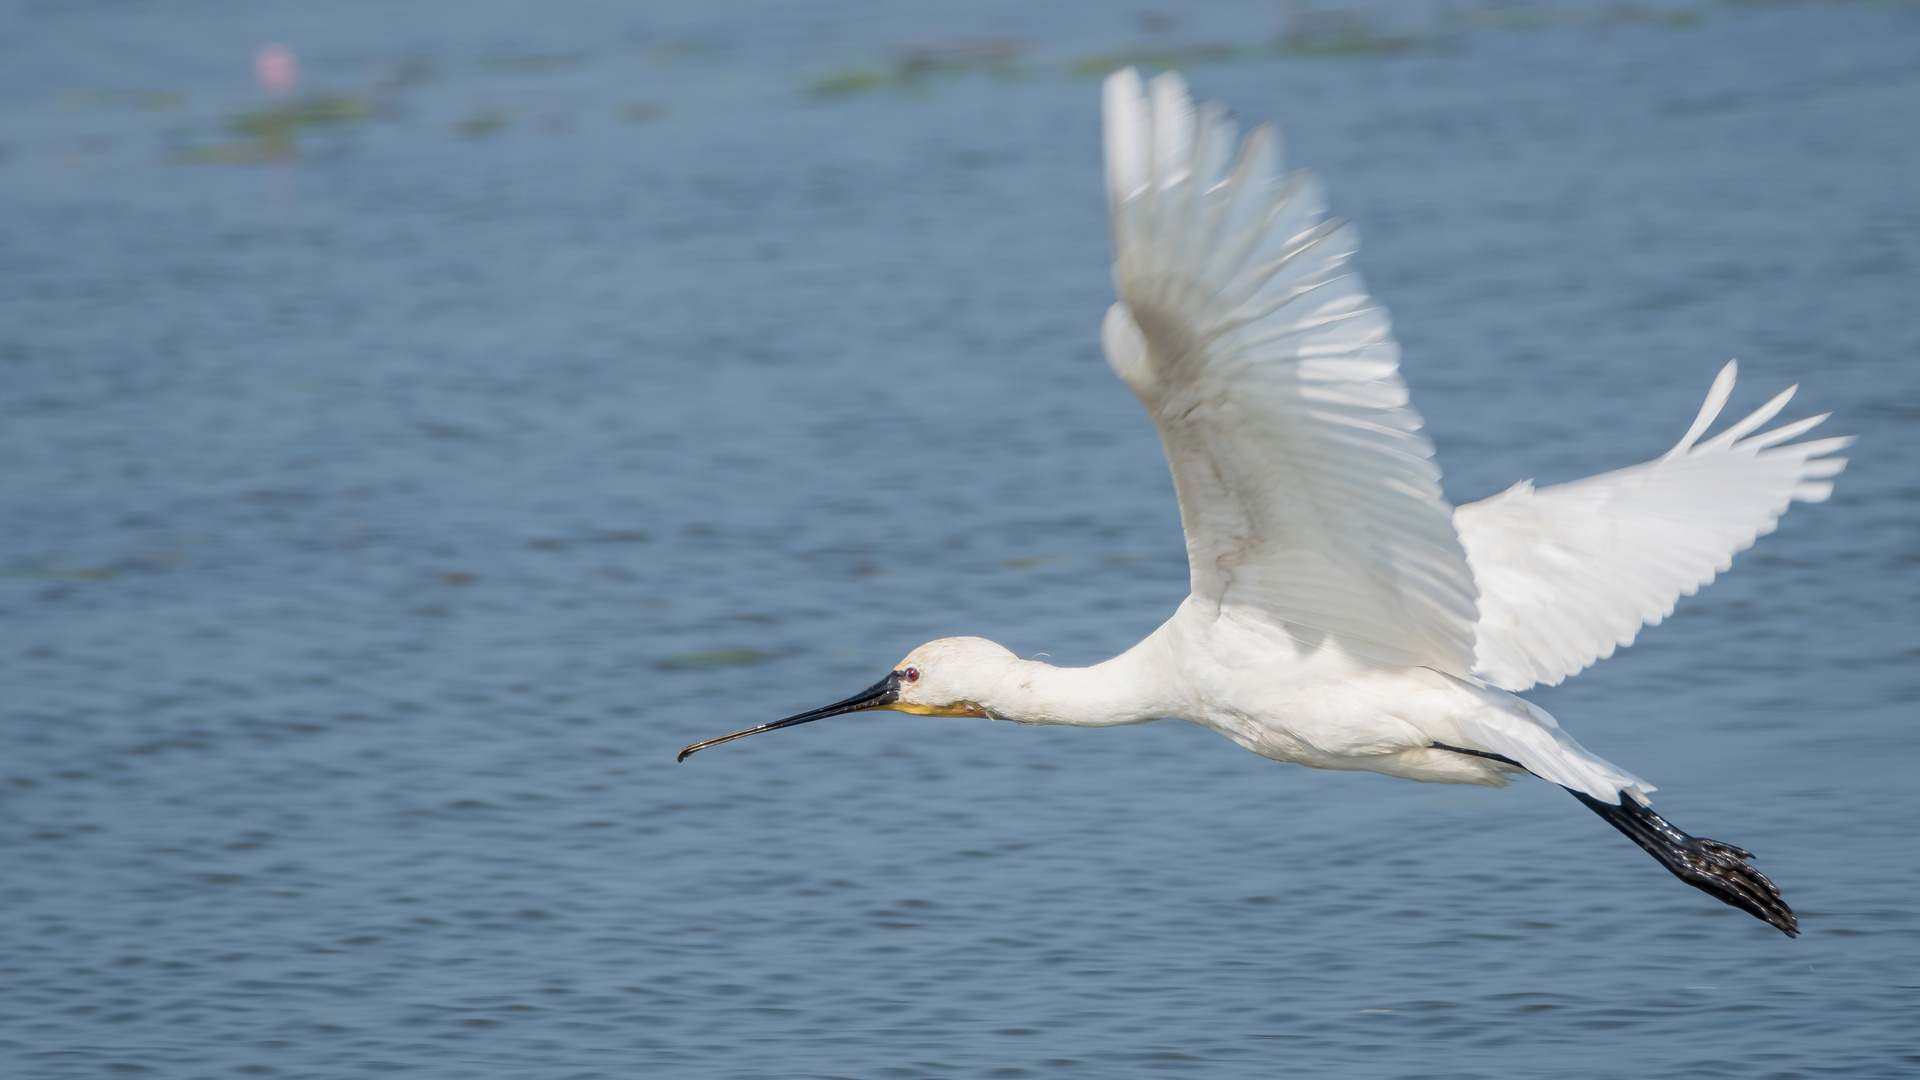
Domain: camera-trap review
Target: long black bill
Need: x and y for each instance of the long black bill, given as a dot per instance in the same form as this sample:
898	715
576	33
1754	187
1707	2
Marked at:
884	692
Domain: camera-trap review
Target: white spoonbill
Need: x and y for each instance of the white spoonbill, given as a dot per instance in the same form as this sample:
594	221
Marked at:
1343	615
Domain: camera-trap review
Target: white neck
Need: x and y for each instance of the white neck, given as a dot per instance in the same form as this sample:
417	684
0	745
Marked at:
1129	689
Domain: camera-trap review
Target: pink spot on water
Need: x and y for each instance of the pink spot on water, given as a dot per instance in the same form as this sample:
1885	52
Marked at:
275	69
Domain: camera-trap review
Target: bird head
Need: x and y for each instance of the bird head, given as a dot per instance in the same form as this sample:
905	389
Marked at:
947	677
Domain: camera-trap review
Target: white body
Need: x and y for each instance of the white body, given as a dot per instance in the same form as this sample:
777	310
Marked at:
1312	706
1343	615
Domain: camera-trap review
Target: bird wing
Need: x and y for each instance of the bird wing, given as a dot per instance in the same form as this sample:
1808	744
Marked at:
1570	572
1307	490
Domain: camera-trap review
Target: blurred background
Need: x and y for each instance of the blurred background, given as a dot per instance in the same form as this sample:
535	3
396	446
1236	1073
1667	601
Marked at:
420	419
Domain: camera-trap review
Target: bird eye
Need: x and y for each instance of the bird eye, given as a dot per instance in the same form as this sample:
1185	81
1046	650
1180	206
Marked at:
912	674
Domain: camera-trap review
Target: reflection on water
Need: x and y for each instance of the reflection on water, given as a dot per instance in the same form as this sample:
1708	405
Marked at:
373	545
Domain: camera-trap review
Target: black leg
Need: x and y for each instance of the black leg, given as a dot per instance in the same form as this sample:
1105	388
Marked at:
1717	869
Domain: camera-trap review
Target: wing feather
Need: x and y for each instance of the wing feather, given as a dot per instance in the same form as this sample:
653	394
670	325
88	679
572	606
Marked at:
1569	573
1306	487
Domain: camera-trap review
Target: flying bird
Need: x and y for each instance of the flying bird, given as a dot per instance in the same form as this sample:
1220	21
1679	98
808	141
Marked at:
1343	615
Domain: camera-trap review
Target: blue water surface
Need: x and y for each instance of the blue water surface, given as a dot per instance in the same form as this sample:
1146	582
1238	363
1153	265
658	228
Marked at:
387	499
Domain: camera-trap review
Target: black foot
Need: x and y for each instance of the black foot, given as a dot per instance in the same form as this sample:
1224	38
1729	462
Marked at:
1717	869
